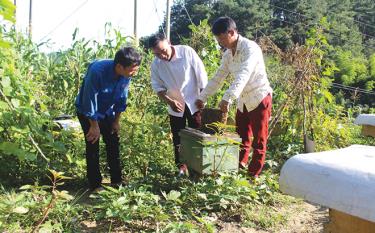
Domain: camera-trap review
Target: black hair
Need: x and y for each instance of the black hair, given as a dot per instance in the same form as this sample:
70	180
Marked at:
223	25
155	39
128	56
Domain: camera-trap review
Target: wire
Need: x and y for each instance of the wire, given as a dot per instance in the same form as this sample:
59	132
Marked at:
357	21
329	32
65	19
338	85
160	21
188	14
343	88
288	22
149	16
297	13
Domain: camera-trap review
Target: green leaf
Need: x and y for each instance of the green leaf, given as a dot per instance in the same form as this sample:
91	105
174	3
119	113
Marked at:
3	105
4	44
203	196
5	82
15	103
26	187
65	83
20	210
219	181
64	195
121	200
7	10
328	96
59	146
69	158
7	88
243	183
172	195
30	156
10	148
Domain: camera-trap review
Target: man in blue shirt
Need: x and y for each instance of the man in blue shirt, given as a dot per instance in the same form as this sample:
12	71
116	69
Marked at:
99	104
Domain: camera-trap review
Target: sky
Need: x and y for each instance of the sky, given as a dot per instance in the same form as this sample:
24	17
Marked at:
57	19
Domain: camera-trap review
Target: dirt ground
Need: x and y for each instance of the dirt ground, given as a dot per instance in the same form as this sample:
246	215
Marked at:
302	218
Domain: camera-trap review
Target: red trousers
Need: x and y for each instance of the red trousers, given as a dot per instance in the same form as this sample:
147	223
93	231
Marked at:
253	129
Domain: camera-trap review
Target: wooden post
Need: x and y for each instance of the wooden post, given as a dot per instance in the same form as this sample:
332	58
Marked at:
368	130
168	23
340	222
135	23
30	18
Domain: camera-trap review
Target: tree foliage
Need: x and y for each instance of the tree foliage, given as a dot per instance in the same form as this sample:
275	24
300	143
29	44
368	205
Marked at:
348	28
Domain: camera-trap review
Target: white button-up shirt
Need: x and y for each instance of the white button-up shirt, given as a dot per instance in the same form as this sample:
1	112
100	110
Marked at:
250	84
185	73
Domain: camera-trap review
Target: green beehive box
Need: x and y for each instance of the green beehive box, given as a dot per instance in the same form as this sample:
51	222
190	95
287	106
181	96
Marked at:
207	154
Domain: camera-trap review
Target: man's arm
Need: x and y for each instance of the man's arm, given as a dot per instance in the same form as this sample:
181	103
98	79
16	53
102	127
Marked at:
175	105
249	60
90	105
120	105
157	83
214	84
94	131
199	70
159	87
116	123
118	108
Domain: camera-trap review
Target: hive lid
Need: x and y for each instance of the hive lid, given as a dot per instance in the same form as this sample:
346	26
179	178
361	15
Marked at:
204	136
365	119
342	179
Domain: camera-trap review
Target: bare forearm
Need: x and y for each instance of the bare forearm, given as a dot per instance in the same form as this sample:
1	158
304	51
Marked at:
163	96
93	123
117	116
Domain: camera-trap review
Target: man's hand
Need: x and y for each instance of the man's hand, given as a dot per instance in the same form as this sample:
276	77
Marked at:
115	127
175	105
93	134
200	104
224	106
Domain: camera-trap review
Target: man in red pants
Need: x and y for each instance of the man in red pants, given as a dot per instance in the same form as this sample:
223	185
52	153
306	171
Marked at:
243	59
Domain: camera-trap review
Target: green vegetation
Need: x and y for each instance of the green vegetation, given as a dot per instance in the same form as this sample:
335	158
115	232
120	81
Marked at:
36	87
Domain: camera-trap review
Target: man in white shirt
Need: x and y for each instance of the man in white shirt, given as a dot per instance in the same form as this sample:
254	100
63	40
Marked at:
177	76
243	59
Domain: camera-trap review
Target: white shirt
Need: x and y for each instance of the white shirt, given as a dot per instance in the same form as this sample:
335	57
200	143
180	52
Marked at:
250	84
184	73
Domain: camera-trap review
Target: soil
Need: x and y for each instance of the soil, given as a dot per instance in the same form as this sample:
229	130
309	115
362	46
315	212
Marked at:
302	217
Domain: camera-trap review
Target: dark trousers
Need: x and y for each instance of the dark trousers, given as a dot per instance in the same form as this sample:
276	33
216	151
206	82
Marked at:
253	129
92	152
178	123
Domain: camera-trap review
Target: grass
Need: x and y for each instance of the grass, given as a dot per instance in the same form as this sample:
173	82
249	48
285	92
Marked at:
158	202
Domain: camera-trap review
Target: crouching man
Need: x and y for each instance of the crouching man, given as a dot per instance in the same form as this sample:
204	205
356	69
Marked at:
100	102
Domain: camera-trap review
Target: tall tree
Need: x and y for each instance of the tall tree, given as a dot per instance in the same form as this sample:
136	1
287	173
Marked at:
364	15
252	17
186	12
292	19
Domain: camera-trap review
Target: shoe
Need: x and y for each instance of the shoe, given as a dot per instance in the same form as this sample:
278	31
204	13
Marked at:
118	184
96	190
242	165
183	170
253	179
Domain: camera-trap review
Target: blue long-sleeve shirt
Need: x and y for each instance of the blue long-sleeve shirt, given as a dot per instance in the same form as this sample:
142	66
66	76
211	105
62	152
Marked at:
102	94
